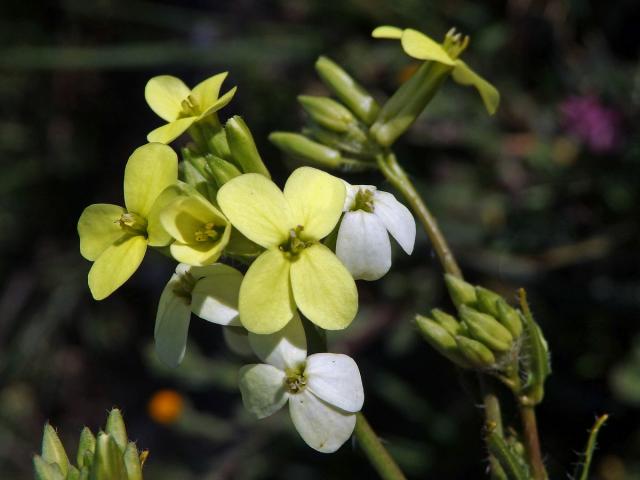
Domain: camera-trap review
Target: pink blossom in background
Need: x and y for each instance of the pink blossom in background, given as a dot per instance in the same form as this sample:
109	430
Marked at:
594	124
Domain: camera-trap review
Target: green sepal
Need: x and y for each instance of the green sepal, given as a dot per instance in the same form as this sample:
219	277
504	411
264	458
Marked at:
536	359
46	471
132	462
108	463
440	339
115	427
448	322
510	318
486	329
348	91
243	147
475	352
53	450
461	292
327	113
86	448
221	170
513	465
299	146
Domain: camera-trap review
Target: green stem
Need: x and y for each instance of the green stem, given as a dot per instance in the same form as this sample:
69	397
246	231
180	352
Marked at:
375	451
532	442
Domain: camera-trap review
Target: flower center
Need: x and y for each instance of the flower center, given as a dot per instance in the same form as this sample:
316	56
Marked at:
132	223
363	201
454	43
190	107
184	286
207	233
294	244
296	380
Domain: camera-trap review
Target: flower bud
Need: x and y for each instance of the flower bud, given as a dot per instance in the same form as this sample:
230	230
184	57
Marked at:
347	90
220	145
354	141
221	170
448	322
132	462
327	112
461	292
52	449
302	148
86	448
486	329
475	352
510	318
441	340
243	148
115	427
46	471
108	463
487	301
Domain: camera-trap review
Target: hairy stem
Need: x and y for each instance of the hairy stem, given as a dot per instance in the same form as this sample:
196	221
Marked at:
532	442
375	451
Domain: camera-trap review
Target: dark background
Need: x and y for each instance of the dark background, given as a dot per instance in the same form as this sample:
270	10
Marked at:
544	195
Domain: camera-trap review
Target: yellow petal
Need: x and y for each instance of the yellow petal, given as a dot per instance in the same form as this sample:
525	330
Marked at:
256	206
169	132
265	302
98	229
418	45
150	169
165	94
206	93
323	288
157	235
316	200
116	264
387	31
463	75
186	215
220	103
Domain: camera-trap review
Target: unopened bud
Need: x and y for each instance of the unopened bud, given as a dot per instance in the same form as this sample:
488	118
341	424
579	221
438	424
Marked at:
510	318
304	149
132	462
347	90
46	471
243	147
220	145
86	448
221	170
475	352
487	301
486	329
448	322
440	339
461	292
53	450
327	113
108	462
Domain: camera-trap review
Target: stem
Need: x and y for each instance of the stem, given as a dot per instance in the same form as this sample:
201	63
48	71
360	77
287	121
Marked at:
532	442
493	422
398	178
375	451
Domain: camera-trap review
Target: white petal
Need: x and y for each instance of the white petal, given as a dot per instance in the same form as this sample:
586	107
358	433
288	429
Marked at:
237	340
396	218
363	245
262	388
287	348
215	295
172	325
335	378
323	427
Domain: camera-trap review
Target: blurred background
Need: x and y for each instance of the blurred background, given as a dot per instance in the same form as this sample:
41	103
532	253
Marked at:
544	195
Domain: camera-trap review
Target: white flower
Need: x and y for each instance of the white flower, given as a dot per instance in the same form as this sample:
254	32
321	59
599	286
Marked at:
210	292
324	390
363	242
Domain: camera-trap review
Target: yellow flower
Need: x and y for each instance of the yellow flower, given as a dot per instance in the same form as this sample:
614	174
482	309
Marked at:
419	46
116	238
181	107
296	269
200	231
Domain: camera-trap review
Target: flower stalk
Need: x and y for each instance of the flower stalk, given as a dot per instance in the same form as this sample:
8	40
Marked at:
379	457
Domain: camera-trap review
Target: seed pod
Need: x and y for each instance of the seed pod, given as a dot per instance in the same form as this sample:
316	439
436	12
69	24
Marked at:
461	292
486	329
327	112
302	148
243	147
475	352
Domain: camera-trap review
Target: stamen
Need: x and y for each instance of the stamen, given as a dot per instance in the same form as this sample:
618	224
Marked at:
207	233
296	380
295	244
363	201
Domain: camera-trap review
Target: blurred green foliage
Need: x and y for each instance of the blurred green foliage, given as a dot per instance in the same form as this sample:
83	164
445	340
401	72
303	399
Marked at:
544	195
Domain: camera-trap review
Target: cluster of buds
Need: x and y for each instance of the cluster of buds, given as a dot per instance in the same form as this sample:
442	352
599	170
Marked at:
109	456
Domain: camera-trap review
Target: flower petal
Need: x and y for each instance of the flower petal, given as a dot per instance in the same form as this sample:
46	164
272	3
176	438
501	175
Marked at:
169	132
335	378
206	92
265	301
98	228
157	234
386	31
363	245
115	265
284	349
323	288
417	45
150	169
215	296
257	208
185	215
323	427
172	325
316	199
262	389
165	94
463	75
220	103
396	218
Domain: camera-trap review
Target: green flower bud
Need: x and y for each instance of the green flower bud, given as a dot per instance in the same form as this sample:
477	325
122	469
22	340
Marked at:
243	148
475	352
440	339
108	463
510	318
220	145
53	451
327	112
302	148
461	292
354	141
448	322
221	170
347	90
132	462
46	471
486	329
487	301
115	427
86	448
